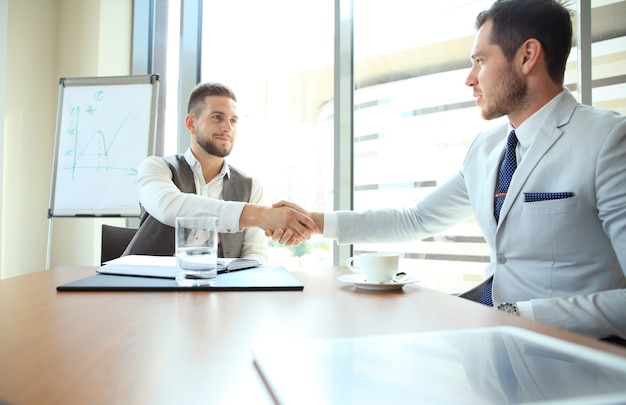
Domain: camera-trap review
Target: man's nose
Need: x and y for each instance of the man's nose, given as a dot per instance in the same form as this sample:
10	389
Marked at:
471	79
227	126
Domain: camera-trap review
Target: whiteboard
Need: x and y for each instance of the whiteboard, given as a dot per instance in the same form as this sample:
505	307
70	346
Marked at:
105	129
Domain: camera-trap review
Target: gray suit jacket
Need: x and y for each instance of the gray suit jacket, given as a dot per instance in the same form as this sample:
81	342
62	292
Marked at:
567	256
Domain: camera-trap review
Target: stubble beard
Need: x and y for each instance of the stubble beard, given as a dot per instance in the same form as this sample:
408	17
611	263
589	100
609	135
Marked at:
209	147
510	96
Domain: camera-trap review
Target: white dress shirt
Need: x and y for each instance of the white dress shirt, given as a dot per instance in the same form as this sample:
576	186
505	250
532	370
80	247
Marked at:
164	201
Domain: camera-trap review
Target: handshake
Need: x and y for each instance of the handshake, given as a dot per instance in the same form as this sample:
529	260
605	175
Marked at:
285	222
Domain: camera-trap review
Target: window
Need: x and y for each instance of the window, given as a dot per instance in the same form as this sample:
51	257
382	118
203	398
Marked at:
280	66
608	52
413	116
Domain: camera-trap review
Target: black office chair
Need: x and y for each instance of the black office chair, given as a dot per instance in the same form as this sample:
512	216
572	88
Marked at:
114	241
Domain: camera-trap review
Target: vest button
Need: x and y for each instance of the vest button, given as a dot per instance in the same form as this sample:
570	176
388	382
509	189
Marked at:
501	259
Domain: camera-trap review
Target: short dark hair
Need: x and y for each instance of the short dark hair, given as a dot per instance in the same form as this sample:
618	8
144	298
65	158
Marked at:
548	21
202	90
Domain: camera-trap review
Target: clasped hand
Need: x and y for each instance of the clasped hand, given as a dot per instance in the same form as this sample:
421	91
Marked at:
296	226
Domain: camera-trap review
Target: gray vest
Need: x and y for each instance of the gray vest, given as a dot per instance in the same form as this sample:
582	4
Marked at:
157	239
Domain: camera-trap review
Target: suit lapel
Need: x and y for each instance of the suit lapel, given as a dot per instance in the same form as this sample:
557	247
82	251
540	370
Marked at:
548	134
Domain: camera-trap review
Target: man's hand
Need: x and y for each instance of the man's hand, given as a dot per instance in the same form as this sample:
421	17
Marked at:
297	225
287	236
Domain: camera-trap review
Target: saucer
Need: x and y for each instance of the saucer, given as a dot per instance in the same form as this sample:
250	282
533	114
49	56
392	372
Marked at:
359	282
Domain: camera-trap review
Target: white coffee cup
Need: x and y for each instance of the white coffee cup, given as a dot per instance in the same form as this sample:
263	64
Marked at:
375	267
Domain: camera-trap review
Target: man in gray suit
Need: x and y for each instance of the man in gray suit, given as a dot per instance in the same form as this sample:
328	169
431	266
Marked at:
558	234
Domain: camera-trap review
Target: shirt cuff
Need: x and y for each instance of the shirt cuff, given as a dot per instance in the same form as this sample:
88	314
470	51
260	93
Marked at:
230	213
331	225
525	310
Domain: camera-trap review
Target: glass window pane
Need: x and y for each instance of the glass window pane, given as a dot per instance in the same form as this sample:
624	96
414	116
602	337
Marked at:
608	52
280	65
414	121
415	118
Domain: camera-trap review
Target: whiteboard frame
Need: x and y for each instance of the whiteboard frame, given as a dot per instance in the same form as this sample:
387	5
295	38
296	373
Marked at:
100	81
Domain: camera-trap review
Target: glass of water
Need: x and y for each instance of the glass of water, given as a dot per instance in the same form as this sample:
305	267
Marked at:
196	250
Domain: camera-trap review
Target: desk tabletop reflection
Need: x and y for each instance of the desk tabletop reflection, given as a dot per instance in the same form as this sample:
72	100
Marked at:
195	347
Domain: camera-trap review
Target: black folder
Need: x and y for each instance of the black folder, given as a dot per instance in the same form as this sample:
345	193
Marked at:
263	278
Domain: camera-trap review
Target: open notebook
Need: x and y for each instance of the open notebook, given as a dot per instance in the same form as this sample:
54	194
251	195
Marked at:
164	266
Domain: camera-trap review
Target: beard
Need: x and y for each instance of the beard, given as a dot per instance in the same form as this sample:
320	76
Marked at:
209	147
508	97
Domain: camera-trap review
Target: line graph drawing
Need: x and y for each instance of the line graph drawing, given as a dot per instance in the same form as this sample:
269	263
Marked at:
92	150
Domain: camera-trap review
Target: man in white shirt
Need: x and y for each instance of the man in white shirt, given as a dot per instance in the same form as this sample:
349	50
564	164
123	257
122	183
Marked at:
558	243
200	182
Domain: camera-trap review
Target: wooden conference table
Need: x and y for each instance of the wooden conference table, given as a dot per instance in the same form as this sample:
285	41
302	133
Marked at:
195	347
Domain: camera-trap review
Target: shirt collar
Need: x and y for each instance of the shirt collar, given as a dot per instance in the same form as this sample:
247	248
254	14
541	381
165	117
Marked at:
528	130
197	168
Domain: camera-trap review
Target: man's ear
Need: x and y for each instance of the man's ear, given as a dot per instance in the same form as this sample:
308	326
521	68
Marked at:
530	53
190	121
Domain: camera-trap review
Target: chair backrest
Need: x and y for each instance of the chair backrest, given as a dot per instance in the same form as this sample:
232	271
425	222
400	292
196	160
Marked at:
114	241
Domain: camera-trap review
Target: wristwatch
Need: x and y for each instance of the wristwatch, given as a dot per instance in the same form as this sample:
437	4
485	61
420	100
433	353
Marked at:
508	307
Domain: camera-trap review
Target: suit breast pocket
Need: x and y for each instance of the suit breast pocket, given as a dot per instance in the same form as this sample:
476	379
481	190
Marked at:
551	229
553	206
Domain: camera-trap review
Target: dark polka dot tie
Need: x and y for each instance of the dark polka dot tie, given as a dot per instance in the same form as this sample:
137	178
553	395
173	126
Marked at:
485	297
507	168
509	164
